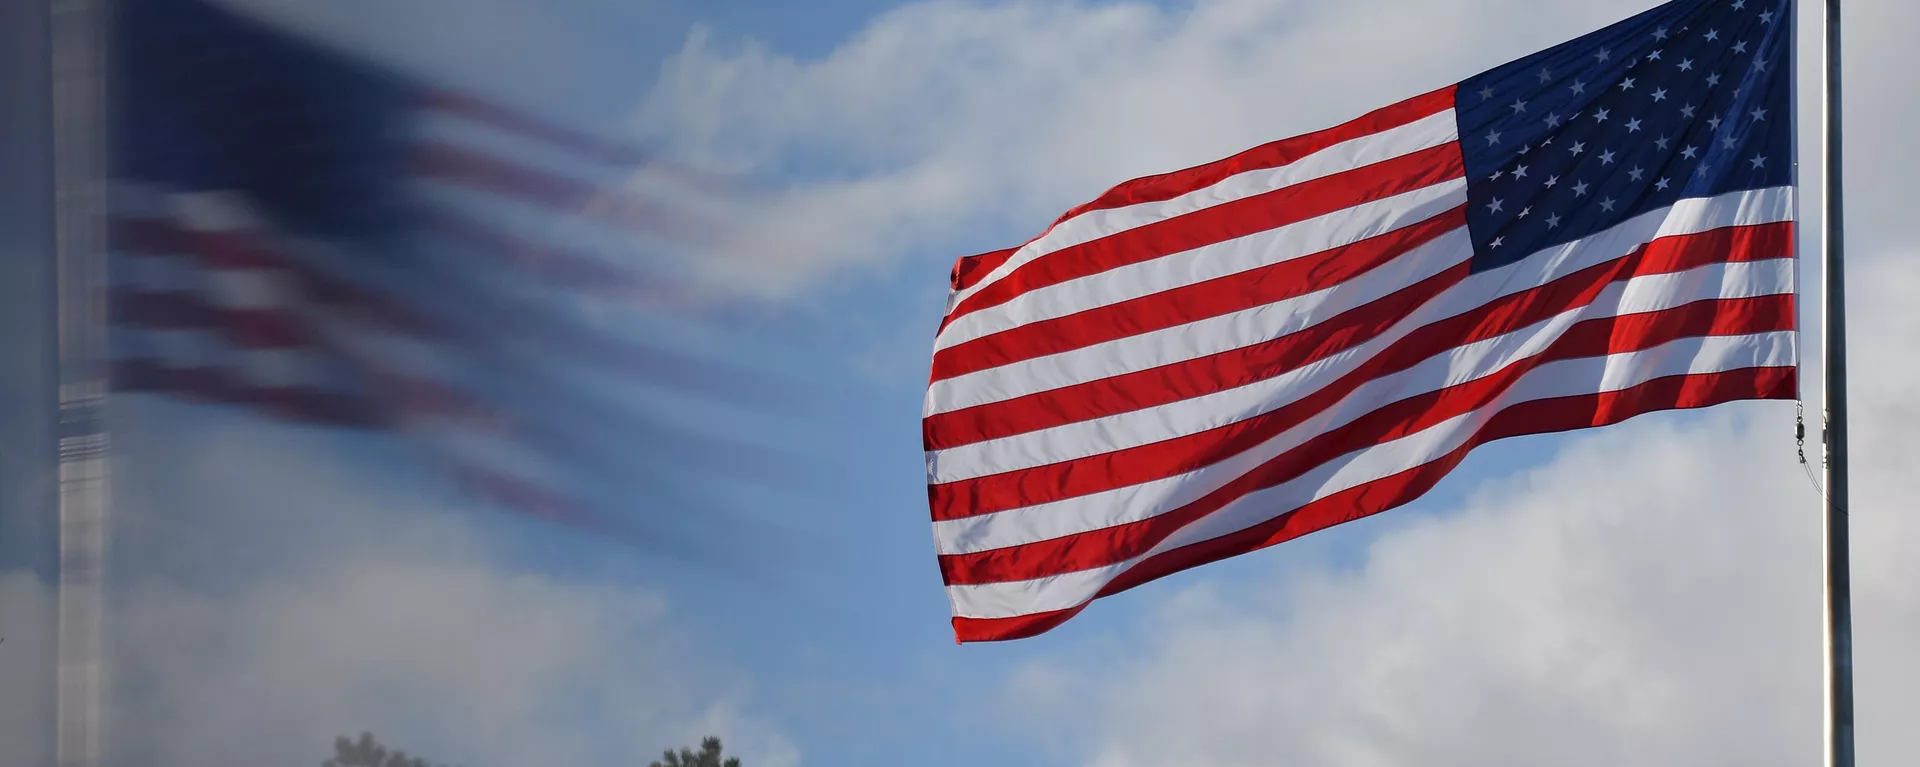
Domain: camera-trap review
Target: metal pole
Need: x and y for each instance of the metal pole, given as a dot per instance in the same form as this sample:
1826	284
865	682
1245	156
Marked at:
1839	610
77	30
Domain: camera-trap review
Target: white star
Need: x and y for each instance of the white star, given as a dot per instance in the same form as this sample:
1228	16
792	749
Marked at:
1493	137
1687	111
1758	114
1759	65
1494	207
1713	80
1606	158
1686	65
1690	152
1633	125
1601	115
1553	222
1496	242
1551	180
1486	93
1663	142
1518	106
1580	189
1627	84
1660	34
1662	184
1553	121
1728	142
1739	4
1607	205
1659	95
1653	55
1603	55
1766	17
1579	87
1759	161
1526	149
1545	74
1740	47
1712	35
1703	170
1524	211
1636	173
1520	172
1497	175
1714	123
1578	147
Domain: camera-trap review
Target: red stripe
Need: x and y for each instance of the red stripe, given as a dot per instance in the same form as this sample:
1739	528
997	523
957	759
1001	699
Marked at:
1219	223
478	171
1536	417
970	270
241	250
519	122
154	237
1167	186
1191	303
526	497
1186	379
1130	466
1593	338
223	386
177	310
1239	367
567	269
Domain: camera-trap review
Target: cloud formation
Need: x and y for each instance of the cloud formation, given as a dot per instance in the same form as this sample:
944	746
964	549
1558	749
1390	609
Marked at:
946	128
1649	596
263	607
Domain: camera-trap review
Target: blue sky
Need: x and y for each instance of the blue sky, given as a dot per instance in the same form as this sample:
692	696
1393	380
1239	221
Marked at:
1645	595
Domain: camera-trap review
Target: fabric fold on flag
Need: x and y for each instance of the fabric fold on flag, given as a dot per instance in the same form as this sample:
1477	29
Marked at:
322	240
1203	363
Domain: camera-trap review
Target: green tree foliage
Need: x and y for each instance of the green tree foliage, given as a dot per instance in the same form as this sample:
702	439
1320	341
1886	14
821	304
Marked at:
709	756
368	752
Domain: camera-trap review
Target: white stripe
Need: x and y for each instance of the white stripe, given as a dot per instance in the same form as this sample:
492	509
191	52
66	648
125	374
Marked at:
1232	331
1458	365
1565	378
196	349
1150	425
483	138
1284	243
1213	335
215	212
1425	133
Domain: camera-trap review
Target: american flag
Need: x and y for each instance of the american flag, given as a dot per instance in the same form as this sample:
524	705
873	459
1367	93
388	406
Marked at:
1212	361
326	241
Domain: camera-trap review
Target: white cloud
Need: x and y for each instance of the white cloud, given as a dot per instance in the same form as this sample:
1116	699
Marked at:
1652	596
945	128
26	670
1649	597
272	597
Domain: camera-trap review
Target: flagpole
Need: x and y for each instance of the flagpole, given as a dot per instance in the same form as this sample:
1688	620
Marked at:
76	35
1839	610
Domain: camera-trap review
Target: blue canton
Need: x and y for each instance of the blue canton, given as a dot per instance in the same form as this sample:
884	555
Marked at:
1691	99
214	101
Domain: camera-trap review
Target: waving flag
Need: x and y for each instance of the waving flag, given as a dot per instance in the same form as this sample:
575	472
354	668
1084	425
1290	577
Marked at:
320	240
1208	362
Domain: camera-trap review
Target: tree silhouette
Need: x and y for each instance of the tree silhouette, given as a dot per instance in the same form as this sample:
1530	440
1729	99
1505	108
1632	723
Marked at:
368	752
709	756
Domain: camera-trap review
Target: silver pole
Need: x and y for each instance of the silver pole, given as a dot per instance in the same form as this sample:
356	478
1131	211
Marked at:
1839	610
77	34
